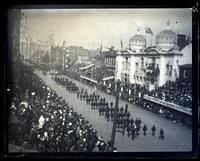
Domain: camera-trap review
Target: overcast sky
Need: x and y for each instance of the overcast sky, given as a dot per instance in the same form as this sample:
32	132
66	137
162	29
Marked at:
92	27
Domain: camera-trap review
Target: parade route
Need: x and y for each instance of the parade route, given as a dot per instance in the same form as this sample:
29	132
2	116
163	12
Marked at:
177	137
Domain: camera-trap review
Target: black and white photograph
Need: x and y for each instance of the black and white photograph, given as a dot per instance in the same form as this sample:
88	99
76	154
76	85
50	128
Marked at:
100	80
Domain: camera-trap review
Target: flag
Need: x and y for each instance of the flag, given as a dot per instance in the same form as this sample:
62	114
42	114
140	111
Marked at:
148	30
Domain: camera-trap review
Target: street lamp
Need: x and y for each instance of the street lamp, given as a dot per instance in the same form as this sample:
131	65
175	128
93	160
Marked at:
117	87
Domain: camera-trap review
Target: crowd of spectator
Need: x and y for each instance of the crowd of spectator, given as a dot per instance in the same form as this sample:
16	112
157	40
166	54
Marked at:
170	114
130	92
178	92
42	121
97	73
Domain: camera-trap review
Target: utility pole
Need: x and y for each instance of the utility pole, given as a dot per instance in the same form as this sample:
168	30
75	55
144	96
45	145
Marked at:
117	87
135	92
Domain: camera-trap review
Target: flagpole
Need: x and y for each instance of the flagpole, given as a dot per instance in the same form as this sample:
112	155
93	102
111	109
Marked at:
146	37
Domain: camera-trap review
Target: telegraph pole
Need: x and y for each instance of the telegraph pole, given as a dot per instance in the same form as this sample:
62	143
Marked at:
115	114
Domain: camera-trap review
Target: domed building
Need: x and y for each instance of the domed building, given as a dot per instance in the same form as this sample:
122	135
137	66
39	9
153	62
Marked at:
149	66
166	40
137	43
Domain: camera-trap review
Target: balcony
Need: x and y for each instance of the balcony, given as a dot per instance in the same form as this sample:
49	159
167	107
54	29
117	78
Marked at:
152	69
110	66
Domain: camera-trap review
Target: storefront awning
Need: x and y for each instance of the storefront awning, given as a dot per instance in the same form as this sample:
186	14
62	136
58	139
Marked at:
89	79
87	67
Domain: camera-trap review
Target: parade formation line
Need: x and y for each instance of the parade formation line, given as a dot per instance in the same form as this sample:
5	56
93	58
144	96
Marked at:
172	142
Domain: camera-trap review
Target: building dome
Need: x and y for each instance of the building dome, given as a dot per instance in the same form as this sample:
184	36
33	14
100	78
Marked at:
167	36
137	38
166	39
137	43
167	32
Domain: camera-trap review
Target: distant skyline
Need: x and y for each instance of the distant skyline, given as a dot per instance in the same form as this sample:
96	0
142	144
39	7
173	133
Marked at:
92	27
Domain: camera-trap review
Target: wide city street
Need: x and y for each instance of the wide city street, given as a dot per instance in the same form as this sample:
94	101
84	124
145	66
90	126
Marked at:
177	137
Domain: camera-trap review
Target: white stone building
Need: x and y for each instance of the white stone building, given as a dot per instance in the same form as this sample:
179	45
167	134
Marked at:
151	66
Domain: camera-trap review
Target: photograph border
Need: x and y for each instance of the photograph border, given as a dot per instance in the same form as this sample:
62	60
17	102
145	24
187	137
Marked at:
136	4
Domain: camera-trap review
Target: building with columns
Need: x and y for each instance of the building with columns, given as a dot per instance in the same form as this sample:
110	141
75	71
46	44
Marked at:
150	66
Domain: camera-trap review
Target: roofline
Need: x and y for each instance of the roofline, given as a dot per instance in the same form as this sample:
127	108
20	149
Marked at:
146	54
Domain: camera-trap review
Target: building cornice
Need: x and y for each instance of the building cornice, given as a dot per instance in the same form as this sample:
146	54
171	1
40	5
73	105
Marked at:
156	54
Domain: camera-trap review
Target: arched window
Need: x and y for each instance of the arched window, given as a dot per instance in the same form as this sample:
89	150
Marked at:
136	67
167	68
170	70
